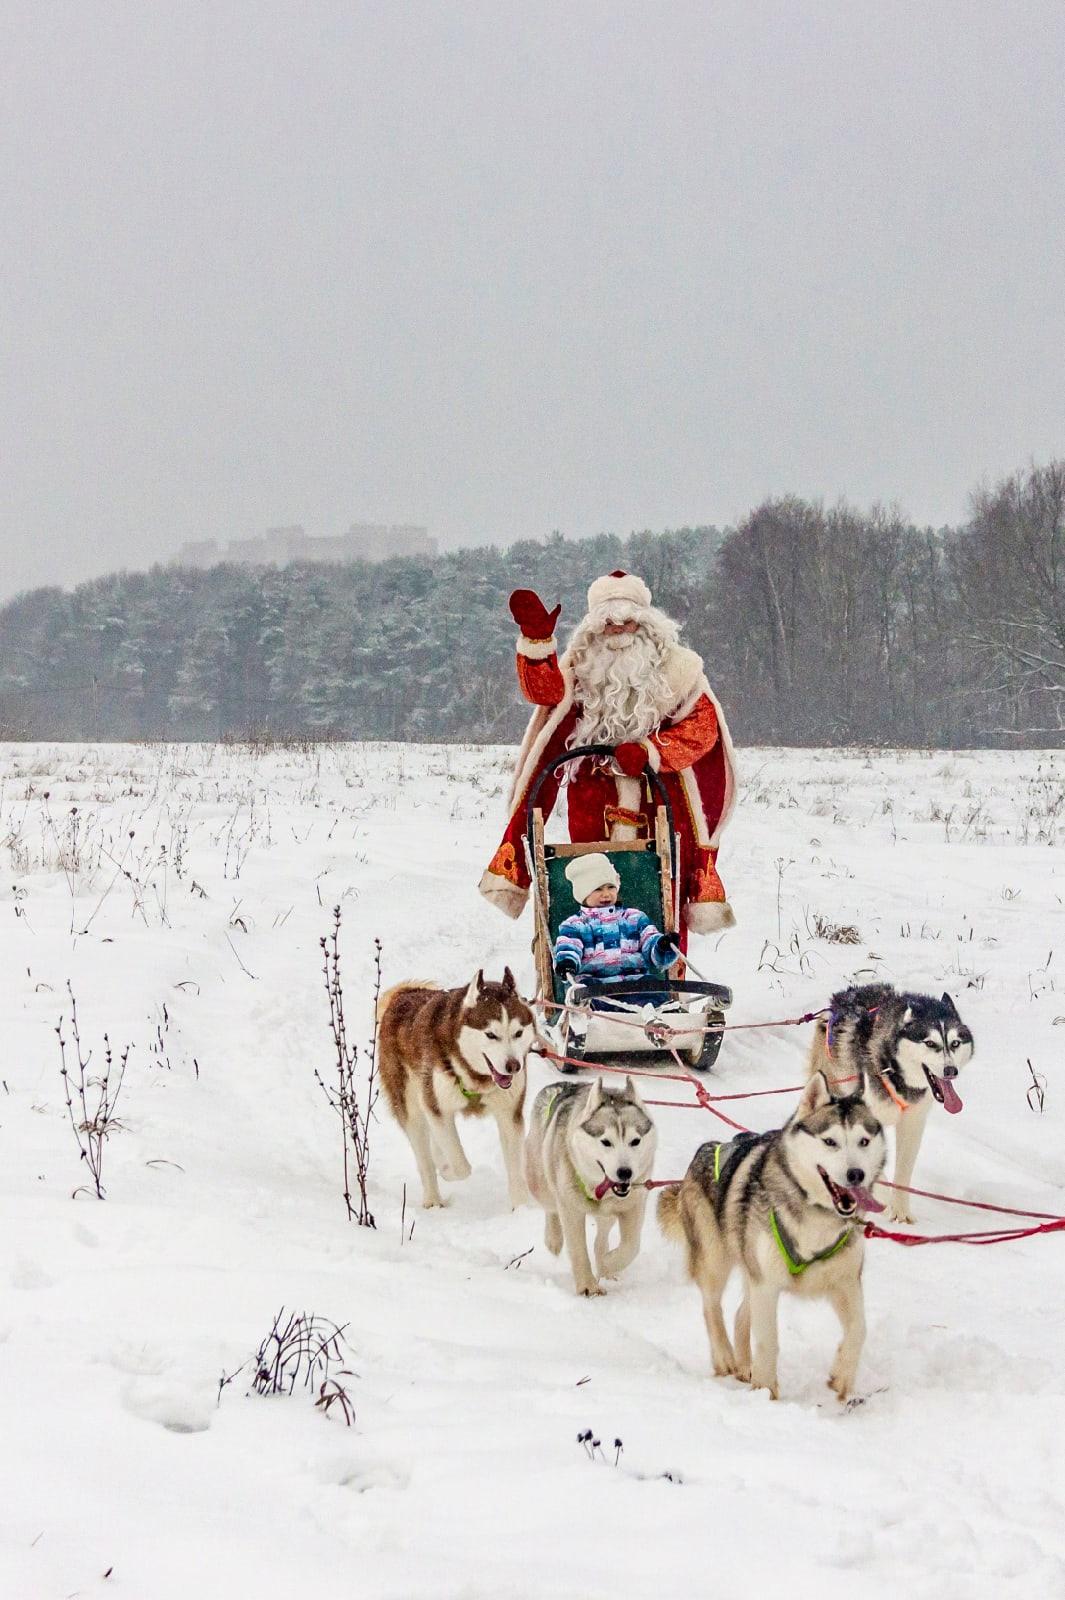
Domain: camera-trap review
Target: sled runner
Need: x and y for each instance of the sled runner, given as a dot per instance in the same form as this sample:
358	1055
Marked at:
601	1012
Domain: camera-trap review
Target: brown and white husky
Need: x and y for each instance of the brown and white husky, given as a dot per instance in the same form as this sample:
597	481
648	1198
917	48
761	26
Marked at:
444	1053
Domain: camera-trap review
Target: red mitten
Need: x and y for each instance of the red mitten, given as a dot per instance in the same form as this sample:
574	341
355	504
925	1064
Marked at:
531	615
631	758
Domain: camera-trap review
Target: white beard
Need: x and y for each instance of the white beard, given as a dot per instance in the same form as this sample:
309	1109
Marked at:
621	685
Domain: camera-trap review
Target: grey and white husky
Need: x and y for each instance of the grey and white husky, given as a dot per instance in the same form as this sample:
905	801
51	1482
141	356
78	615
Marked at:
782	1207
587	1153
906	1051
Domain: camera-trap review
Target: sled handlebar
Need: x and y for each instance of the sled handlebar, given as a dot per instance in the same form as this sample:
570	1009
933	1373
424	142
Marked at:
657	786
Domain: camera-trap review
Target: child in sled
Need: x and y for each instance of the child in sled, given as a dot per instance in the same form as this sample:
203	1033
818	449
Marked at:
605	940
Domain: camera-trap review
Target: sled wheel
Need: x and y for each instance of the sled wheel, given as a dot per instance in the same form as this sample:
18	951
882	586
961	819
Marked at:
703	1056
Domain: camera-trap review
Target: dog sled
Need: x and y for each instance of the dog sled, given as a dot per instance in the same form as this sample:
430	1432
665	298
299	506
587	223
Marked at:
591	1018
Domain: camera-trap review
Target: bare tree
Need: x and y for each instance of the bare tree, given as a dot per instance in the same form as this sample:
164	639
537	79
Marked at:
1009	568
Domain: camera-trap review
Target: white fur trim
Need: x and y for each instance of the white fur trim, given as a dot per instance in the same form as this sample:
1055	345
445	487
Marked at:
709	916
654	757
538	734
688	781
509	897
628	587
537	649
684	674
630	794
730	765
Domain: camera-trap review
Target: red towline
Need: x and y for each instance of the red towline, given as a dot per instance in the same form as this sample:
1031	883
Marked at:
1045	1221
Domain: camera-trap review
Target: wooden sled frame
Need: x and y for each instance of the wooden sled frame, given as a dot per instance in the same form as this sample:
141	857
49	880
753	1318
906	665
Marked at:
701	1047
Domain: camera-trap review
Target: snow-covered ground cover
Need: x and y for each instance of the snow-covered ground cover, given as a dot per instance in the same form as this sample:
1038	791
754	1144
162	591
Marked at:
182	892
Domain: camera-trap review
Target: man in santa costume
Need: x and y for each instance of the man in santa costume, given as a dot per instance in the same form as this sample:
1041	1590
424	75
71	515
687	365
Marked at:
624	681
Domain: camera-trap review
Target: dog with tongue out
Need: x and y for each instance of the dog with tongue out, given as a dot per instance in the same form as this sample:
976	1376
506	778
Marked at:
902	1052
782	1208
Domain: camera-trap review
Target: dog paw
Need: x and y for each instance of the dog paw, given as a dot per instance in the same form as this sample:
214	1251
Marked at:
898	1212
724	1369
841	1384
592	1289
434	1202
743	1374
453	1173
519	1197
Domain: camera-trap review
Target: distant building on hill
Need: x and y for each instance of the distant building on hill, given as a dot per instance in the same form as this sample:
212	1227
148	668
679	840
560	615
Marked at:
364	541
200	553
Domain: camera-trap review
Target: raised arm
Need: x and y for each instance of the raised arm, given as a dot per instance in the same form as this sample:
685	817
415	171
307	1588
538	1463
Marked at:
539	676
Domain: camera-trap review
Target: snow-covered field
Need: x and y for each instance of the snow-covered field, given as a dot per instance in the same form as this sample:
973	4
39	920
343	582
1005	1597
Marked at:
183	893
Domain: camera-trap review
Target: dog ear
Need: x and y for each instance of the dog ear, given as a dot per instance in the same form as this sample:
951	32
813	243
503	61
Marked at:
508	985
473	993
594	1096
814	1096
949	1004
907	1016
632	1093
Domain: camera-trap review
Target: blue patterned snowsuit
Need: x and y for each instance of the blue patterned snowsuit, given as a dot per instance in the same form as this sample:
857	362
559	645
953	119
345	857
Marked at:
611	942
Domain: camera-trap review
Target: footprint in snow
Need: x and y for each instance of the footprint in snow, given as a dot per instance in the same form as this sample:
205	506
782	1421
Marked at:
348	1472
174	1406
29	1275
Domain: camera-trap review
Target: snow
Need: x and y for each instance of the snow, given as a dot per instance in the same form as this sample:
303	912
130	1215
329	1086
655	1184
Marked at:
475	1370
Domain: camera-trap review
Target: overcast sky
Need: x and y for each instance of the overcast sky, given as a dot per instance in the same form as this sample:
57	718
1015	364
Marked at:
509	266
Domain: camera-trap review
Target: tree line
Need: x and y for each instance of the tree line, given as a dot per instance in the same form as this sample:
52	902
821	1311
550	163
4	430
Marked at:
819	626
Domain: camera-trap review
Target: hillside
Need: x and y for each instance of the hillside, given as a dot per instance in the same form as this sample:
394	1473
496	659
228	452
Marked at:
819	626
407	648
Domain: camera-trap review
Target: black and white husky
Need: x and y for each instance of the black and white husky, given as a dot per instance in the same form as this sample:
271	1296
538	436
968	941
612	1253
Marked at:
905	1050
782	1207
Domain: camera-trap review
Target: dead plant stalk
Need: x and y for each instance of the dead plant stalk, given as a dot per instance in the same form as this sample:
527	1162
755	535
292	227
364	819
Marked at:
354	1095
92	1127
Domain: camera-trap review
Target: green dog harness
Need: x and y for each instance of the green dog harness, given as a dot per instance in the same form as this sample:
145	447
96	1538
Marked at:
548	1113
795	1268
550	1103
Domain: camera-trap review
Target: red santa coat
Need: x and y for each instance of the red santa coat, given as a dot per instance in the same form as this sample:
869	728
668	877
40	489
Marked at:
691	750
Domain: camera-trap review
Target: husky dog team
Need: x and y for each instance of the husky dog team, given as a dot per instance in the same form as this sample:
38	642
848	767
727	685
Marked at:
783	1208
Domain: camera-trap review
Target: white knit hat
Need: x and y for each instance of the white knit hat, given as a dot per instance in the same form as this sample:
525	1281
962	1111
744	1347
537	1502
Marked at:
618	586
589	872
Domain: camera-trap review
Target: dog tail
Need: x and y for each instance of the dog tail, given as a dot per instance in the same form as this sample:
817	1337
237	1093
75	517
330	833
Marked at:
668	1211
401	988
675	1218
